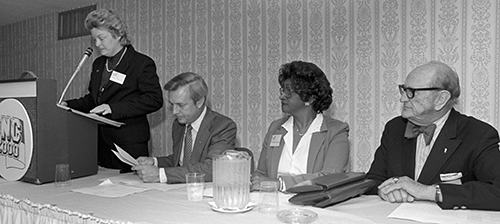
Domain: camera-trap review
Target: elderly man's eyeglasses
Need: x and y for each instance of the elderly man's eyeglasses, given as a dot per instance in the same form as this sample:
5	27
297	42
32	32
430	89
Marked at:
410	92
287	91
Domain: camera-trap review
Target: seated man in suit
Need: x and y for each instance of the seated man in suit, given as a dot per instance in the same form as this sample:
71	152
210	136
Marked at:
454	161
197	134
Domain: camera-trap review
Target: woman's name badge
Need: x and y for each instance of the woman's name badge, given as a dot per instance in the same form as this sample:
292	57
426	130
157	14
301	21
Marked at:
275	140
117	77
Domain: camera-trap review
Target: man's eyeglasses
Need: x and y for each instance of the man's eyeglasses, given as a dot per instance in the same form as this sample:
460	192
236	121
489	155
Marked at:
287	91
410	92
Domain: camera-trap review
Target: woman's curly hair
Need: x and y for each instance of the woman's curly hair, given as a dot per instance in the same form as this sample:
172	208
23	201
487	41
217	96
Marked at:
108	19
309	82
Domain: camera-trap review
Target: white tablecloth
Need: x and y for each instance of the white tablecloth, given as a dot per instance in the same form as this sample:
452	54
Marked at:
28	203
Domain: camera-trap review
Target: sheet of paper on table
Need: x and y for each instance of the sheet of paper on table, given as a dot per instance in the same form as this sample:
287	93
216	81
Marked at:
131	179
430	212
110	190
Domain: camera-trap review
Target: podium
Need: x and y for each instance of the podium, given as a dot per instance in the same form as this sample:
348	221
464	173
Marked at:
59	136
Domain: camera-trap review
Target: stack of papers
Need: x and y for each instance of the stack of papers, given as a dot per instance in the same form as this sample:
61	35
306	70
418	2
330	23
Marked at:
93	116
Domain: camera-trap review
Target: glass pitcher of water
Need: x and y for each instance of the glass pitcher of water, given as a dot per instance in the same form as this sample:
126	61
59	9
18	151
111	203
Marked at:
231	180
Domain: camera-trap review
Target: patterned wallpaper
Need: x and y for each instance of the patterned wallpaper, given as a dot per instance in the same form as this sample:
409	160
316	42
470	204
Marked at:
366	47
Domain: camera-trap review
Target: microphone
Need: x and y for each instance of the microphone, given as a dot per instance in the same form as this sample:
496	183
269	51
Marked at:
86	55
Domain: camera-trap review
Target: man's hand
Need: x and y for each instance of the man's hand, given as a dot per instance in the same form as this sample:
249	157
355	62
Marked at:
398	195
148	174
148	161
405	189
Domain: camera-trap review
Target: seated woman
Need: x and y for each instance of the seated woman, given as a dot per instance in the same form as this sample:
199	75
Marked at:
304	144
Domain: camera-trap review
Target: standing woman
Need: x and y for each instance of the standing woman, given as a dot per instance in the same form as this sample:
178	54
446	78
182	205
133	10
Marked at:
123	86
304	144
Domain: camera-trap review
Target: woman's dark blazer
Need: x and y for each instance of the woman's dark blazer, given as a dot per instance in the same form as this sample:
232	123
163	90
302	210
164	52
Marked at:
130	102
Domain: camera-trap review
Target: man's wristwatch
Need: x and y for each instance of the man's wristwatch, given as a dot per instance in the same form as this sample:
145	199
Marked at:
439	195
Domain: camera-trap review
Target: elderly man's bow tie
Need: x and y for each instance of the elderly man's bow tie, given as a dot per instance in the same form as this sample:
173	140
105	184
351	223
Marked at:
412	131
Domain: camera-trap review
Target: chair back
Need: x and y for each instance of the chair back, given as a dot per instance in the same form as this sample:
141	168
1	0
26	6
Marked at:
250	153
28	75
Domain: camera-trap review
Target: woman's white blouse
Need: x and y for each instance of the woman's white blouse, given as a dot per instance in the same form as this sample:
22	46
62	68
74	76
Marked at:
296	163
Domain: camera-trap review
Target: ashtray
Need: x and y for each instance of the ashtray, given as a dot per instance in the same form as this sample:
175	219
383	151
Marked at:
297	216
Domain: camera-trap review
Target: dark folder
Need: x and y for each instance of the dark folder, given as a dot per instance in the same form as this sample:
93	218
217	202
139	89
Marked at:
326	182
331	189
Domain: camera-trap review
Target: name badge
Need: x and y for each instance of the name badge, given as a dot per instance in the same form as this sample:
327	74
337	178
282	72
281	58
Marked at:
117	77
275	140
451	178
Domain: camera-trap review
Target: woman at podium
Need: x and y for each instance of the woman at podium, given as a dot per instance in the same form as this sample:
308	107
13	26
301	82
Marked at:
124	87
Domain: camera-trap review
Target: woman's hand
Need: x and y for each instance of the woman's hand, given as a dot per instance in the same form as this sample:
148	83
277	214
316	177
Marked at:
257	179
102	109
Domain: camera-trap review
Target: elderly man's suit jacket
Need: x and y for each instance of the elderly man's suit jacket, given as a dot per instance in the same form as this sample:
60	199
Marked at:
464	145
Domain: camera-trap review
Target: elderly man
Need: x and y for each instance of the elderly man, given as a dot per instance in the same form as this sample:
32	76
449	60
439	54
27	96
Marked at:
197	133
432	152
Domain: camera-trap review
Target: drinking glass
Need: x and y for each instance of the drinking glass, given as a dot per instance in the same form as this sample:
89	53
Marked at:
269	202
195	184
63	176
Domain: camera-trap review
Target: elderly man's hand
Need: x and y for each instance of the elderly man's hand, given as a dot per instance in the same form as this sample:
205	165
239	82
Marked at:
148	174
398	195
400	189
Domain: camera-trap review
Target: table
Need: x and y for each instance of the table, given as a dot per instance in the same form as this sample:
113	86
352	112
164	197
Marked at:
28	203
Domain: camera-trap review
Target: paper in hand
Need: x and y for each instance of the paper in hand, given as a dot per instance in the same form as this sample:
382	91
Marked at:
124	156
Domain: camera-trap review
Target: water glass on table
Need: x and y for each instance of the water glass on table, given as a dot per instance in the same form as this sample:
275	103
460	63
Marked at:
269	202
195	185
62	175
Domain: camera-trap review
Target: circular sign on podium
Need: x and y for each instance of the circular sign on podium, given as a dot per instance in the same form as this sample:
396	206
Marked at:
16	140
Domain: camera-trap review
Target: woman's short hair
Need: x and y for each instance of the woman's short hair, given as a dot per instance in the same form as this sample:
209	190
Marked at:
197	86
309	82
104	18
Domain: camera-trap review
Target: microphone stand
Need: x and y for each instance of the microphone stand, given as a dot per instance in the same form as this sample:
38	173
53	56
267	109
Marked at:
87	53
